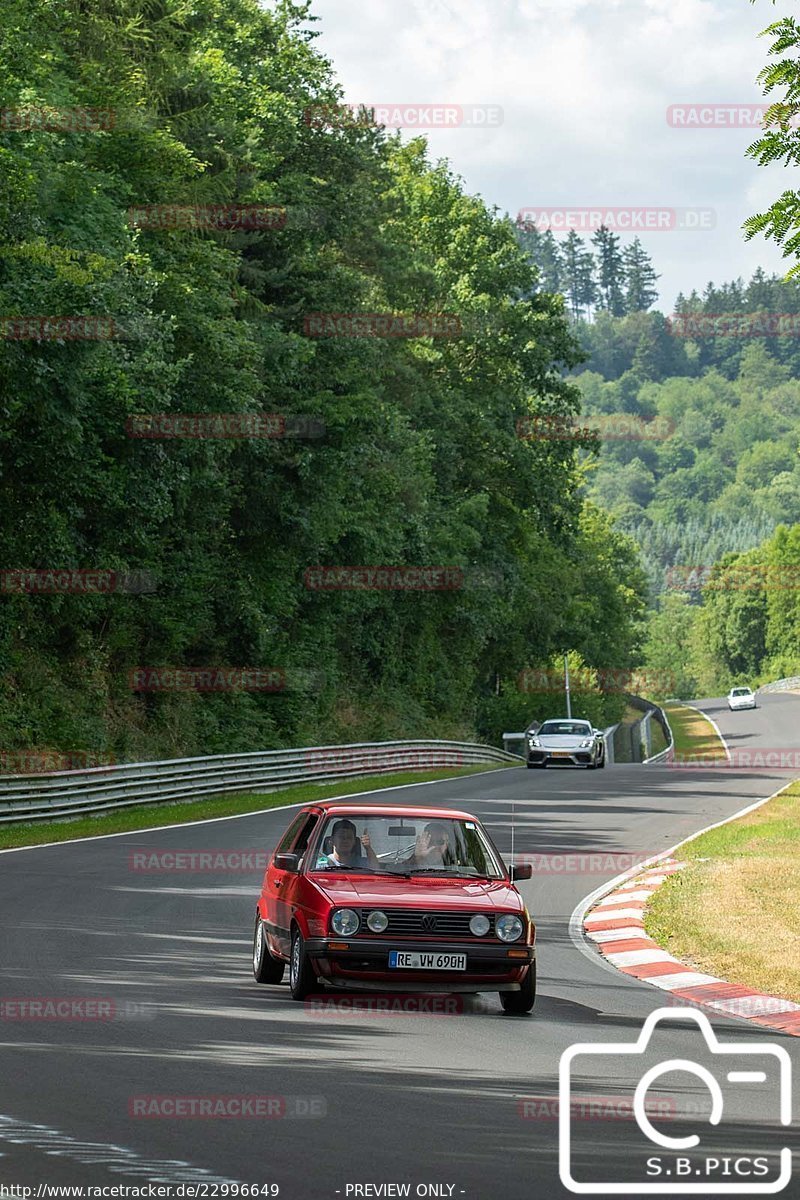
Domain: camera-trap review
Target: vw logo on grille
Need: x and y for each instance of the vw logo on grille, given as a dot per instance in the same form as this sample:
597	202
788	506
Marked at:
429	923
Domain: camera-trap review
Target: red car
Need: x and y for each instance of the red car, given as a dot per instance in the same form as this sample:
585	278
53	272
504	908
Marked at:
394	899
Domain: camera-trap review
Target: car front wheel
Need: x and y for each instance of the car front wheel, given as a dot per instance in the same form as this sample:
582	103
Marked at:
266	968
522	1001
302	979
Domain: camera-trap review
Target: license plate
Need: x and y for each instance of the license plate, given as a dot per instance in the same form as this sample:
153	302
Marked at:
561	754
420	961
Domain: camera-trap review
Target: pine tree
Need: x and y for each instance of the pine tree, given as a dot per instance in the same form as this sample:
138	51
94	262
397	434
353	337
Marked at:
578	279
611	272
545	253
640	278
551	263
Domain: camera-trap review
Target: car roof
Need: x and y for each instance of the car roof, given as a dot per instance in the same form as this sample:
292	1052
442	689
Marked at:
398	810
564	720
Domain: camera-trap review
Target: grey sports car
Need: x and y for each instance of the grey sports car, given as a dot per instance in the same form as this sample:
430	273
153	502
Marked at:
566	743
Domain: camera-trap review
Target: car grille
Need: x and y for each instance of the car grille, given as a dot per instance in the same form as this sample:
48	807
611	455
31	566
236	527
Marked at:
416	922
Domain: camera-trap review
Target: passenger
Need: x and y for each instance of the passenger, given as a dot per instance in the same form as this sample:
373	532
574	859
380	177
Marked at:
432	848
344	852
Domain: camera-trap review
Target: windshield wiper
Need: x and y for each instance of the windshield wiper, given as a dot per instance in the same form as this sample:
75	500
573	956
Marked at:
448	872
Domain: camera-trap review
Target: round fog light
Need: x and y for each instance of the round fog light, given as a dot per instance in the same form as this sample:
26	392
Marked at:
479	925
377	921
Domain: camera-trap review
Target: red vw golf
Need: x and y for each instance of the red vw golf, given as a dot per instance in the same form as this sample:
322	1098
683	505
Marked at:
394	899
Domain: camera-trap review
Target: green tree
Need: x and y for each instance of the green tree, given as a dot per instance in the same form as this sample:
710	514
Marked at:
640	278
610	271
781	221
578	275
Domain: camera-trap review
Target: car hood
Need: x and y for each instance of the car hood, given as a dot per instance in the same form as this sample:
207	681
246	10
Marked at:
562	741
419	892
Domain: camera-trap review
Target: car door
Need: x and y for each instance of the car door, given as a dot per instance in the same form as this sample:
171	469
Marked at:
281	887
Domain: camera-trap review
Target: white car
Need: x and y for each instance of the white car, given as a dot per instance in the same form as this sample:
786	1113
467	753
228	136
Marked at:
566	743
741	697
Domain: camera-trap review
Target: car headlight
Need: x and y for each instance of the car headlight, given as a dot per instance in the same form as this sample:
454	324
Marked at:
377	921
533	741
345	922
479	925
509	928
586	743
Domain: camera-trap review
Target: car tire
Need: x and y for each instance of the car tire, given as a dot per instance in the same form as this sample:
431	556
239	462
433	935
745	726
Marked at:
535	766
602	763
521	1002
590	766
266	967
302	979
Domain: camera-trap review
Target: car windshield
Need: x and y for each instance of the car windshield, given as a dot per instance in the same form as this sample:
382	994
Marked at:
572	728
405	845
740	692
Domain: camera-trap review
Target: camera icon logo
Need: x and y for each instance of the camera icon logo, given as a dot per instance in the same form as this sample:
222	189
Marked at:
670	1168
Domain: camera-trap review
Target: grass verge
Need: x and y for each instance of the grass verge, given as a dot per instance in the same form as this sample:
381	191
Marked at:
734	911
149	816
693	734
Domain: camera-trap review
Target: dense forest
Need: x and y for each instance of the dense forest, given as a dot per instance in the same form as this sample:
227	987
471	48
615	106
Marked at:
379	450
704	466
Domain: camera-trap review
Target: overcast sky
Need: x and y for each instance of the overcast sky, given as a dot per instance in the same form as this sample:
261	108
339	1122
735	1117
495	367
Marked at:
584	86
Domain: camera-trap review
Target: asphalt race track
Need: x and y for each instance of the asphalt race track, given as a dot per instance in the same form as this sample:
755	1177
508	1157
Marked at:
461	1101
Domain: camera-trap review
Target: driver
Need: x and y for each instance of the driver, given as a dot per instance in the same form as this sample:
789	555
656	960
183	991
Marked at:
343	854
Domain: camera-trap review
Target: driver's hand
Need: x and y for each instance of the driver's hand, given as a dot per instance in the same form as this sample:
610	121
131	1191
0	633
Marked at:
366	841
423	845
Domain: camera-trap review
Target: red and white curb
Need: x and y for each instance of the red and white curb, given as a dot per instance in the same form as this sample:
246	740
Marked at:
616	926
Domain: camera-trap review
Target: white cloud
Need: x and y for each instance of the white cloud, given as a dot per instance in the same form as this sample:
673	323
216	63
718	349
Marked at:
585	87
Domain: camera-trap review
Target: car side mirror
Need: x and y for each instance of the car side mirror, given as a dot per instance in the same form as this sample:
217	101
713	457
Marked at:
521	872
597	732
286	862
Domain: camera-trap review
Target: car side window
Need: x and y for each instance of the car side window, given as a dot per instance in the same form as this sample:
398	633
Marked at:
301	845
288	839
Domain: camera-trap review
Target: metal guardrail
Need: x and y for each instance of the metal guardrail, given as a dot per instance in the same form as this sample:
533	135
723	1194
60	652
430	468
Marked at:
70	793
634	740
